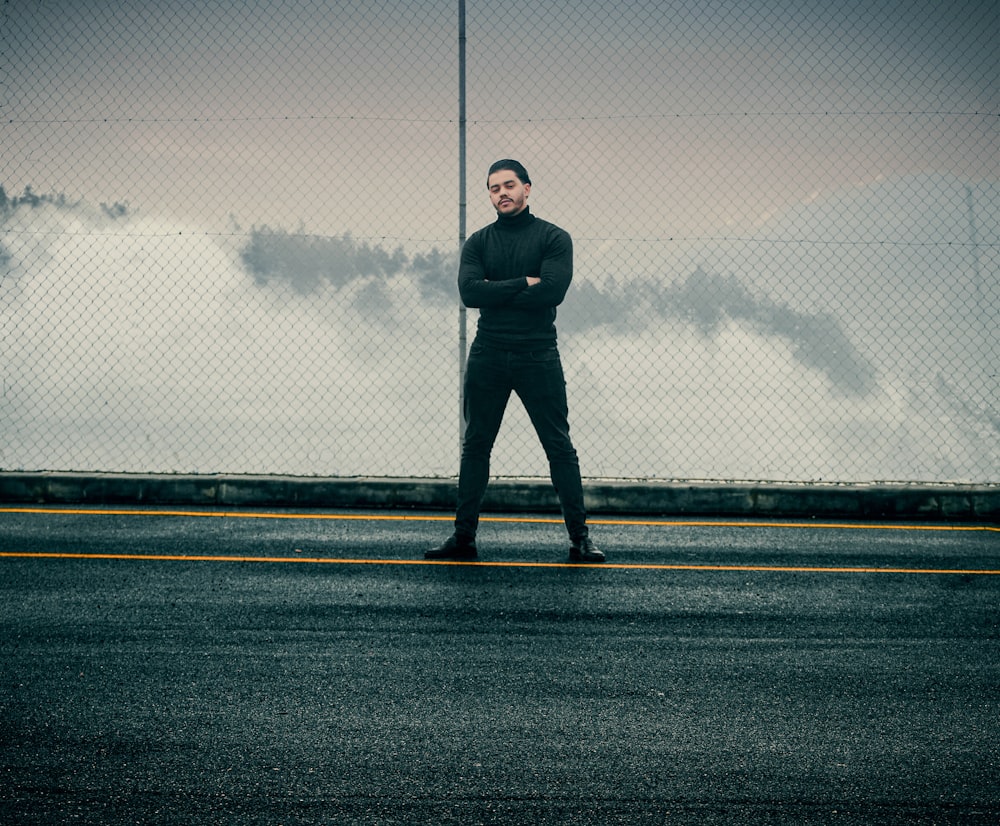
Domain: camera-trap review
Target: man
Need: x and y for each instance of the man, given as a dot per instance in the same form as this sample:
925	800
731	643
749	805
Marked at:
516	272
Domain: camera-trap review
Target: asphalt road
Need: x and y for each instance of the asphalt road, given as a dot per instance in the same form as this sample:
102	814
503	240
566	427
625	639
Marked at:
310	668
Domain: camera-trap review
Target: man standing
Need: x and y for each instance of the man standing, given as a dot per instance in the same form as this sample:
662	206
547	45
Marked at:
516	272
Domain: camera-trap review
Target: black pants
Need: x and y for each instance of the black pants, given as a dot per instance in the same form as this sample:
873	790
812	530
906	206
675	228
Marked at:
537	378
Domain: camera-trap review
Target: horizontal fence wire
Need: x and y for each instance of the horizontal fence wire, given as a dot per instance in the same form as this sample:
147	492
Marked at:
229	234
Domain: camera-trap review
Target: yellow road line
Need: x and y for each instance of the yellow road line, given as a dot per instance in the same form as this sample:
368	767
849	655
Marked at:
397	517
638	566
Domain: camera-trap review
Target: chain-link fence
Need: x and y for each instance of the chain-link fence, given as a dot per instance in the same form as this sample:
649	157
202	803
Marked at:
229	233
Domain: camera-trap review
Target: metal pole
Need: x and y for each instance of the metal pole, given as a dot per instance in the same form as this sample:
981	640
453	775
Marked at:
462	335
985	323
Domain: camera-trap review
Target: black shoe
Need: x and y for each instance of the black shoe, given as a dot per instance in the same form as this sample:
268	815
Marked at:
454	548
583	550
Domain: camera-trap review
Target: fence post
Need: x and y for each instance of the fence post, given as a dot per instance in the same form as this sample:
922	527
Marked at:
462	335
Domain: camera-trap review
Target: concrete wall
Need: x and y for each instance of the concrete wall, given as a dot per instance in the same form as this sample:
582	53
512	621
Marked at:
979	503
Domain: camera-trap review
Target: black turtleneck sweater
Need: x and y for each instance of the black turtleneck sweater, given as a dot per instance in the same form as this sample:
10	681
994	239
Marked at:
495	264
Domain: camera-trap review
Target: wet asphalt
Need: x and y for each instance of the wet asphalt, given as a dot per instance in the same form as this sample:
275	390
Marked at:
171	668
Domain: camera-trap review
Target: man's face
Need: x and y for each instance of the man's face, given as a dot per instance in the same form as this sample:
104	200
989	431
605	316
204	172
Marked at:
508	194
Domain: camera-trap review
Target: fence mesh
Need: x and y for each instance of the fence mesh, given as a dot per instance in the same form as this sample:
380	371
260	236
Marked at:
228	233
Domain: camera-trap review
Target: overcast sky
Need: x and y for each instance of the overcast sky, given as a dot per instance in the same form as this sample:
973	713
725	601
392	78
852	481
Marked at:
690	117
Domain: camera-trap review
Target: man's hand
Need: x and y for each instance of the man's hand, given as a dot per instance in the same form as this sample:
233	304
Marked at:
532	280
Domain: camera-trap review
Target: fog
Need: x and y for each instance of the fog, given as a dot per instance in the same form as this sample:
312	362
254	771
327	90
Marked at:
138	343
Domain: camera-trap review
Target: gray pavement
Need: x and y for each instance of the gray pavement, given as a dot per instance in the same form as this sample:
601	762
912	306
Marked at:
296	667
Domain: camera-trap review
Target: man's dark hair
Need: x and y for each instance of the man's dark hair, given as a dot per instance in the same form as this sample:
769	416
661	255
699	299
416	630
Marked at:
514	166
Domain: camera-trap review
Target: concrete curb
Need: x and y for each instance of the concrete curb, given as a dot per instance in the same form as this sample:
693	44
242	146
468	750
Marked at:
771	500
